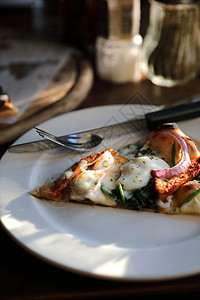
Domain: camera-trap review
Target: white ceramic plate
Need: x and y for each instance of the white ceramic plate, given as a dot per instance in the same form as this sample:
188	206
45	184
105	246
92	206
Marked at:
98	241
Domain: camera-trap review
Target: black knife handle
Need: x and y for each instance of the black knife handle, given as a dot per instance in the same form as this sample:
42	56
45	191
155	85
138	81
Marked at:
173	114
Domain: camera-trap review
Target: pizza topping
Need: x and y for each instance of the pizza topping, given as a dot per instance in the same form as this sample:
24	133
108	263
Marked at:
102	163
105	161
96	187
187	198
97	178
108	192
121	192
136	173
84	183
138	199
191	196
166	188
92	174
183	164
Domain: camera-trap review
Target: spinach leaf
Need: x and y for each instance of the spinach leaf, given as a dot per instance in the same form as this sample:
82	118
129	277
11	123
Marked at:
139	199
108	192
147	152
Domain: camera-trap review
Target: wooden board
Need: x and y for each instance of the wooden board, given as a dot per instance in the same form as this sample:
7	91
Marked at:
28	62
67	91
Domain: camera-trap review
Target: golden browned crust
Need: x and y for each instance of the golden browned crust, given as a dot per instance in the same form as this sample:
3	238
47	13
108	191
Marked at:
163	143
185	190
59	190
166	188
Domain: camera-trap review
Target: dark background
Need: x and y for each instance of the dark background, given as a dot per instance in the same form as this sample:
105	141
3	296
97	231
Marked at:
66	21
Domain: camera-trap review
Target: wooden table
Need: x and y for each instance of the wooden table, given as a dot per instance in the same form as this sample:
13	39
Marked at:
23	276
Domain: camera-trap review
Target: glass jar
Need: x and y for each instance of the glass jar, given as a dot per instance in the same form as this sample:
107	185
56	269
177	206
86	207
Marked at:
117	47
171	50
117	60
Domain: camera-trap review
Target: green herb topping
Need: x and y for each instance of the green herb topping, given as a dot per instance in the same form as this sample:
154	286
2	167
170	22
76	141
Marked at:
138	199
121	192
148	151
108	192
190	197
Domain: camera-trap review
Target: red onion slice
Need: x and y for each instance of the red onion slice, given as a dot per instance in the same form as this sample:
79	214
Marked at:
98	185
182	166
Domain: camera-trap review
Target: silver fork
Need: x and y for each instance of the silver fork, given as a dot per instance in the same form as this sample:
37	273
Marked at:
79	142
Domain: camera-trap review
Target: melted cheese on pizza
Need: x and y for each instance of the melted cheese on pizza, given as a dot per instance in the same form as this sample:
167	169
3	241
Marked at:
136	173
108	172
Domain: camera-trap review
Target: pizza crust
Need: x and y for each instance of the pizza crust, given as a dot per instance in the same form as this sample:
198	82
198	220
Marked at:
163	143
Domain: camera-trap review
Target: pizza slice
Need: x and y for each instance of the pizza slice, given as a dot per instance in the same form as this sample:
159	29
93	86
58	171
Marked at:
160	174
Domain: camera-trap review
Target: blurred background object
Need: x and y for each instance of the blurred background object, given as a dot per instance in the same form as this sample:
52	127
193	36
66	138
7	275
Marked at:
66	21
118	45
76	23
63	21
171	52
16	14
